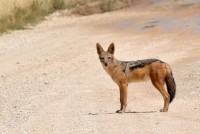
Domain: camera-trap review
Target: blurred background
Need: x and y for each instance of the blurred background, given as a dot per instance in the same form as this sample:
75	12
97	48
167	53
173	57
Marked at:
15	14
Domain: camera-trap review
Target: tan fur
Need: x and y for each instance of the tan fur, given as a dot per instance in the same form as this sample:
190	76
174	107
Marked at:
121	73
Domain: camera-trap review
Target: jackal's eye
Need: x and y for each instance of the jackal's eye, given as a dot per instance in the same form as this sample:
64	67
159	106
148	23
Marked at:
109	58
102	58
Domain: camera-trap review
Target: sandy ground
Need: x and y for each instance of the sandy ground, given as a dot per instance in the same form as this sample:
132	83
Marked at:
51	80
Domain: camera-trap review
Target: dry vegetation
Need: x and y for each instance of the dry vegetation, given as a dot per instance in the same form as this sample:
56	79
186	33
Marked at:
100	6
16	14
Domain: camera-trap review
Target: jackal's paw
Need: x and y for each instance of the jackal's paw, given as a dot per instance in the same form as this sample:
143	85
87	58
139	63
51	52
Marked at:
120	111
164	110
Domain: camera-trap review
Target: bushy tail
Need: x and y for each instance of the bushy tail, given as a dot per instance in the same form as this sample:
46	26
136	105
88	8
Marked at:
171	85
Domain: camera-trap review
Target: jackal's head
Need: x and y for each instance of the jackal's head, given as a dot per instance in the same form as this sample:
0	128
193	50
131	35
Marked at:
106	57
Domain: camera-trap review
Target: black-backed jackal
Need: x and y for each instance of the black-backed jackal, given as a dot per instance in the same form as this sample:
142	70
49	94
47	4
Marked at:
124	72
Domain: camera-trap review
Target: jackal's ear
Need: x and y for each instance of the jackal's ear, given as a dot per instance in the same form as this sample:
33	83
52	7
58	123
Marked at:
99	49
111	48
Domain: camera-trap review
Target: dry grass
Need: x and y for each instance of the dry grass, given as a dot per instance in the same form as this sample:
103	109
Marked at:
101	6
16	14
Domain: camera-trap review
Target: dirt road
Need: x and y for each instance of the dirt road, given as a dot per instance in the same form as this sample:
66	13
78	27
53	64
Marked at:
52	82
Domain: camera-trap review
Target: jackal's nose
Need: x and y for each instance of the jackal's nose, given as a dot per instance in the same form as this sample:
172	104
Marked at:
106	64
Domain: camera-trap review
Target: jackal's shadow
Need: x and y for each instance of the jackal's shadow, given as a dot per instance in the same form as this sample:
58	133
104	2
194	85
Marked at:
129	112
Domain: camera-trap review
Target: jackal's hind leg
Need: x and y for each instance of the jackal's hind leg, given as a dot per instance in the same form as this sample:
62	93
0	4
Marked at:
159	84
166	98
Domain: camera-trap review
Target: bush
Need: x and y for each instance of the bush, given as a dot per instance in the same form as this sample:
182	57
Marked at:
35	12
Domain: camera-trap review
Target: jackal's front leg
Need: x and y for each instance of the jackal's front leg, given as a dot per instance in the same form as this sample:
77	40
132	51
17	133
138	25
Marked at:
123	98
